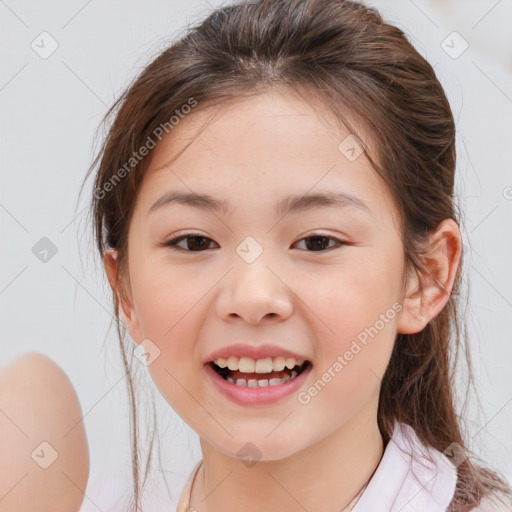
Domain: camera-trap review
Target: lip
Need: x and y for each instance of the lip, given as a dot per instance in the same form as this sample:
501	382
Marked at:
256	396
252	351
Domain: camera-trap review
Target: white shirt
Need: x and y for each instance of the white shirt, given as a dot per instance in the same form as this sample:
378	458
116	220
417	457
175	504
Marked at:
402	483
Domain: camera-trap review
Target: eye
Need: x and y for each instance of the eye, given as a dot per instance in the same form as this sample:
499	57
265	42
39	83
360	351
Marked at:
195	242
319	241
196	245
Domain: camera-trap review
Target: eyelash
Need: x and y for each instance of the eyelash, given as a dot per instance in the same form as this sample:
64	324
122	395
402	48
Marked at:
173	242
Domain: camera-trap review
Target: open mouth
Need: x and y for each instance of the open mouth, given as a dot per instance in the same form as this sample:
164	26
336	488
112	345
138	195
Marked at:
253	380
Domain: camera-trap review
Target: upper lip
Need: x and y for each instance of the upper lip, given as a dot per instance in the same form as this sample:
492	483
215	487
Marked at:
252	351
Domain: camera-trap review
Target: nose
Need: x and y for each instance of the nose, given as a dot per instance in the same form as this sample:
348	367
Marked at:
255	292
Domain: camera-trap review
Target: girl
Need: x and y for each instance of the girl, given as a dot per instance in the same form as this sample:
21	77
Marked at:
273	205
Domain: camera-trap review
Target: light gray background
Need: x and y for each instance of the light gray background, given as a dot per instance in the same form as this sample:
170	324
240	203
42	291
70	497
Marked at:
50	109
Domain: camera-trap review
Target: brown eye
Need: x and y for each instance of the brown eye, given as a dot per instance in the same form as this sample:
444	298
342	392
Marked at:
319	243
193	243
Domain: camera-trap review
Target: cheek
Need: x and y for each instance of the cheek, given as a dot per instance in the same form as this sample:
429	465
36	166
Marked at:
352	310
354	348
171	321
164	299
168	315
348	298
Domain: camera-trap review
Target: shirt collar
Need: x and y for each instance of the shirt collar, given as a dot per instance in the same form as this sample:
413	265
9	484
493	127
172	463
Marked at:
410	477
401	482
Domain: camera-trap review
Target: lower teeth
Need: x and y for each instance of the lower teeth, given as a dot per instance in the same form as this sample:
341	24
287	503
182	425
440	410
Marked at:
257	383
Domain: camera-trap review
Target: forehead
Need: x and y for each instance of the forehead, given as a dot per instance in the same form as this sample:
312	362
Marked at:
276	119
260	147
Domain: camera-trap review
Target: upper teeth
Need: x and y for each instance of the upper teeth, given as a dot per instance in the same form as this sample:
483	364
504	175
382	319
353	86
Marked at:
267	365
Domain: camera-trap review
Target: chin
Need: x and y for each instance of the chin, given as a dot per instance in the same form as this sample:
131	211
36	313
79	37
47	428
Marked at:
259	449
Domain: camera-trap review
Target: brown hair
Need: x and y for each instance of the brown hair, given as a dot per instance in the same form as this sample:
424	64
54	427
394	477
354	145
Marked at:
344	54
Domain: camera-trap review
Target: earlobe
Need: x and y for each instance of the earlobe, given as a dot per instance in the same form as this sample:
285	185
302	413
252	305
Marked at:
126	309
441	263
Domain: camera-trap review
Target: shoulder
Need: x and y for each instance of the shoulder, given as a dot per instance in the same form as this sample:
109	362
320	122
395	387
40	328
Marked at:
26	364
42	438
32	377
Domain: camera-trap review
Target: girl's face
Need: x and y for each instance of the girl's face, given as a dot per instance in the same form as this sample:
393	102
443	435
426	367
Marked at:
264	275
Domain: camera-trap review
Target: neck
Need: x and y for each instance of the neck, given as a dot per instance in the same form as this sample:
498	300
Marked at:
325	476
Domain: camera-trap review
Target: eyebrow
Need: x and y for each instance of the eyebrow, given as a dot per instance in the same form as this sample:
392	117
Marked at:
290	204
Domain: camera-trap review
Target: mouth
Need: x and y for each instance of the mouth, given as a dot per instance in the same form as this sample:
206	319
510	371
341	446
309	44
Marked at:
264	373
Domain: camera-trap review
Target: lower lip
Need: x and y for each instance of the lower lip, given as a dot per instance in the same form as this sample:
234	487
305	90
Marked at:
245	395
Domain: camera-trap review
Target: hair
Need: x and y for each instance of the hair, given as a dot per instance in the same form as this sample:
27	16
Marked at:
365	71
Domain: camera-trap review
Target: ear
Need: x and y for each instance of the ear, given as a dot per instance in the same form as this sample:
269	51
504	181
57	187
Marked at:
442	261
124	297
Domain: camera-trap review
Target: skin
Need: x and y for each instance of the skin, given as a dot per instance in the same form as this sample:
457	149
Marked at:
255	152
39	404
